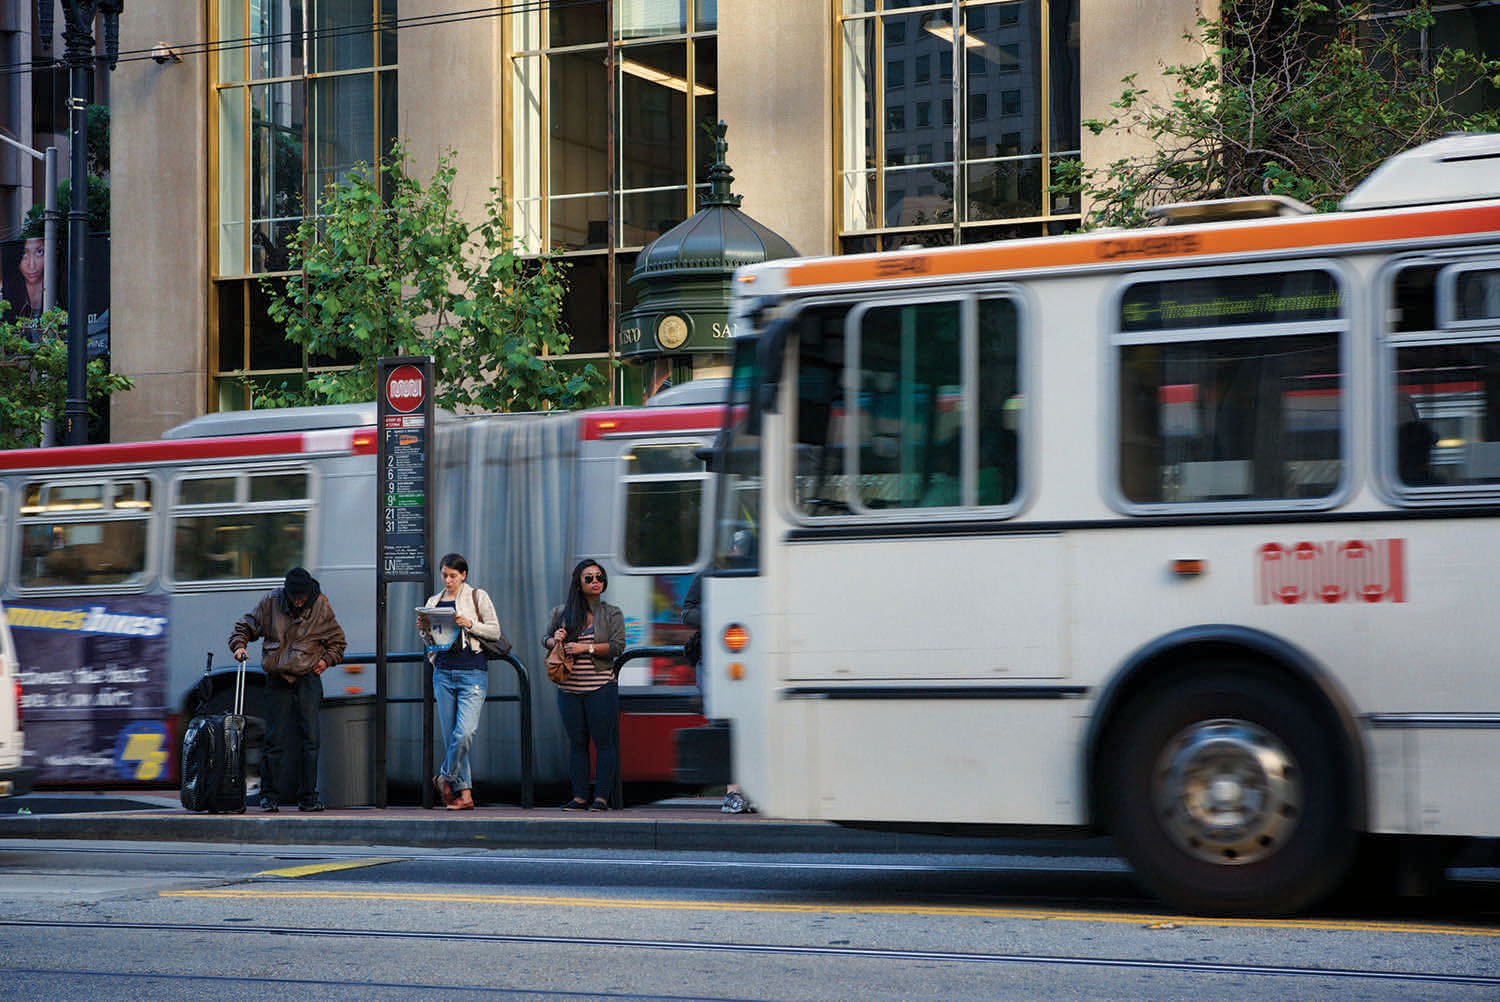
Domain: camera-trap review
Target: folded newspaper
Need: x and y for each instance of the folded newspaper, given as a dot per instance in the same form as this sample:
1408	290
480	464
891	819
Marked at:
442	630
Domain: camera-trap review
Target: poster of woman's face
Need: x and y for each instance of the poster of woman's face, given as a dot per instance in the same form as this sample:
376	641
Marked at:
22	263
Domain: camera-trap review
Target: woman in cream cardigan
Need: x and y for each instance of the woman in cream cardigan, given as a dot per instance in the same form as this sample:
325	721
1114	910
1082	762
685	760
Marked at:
460	678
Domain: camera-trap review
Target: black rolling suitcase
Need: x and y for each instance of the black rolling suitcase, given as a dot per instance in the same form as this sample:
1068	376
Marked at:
213	753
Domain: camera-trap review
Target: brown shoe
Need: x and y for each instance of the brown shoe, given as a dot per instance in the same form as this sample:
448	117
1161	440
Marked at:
462	802
444	789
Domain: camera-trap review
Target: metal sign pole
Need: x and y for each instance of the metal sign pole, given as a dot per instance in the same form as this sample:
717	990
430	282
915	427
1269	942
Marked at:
403	545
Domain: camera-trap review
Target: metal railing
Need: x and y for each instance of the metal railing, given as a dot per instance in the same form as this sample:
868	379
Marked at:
617	797
522	696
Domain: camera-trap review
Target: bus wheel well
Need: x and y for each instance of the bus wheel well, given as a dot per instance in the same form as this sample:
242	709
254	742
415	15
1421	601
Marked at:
1227	780
1174	664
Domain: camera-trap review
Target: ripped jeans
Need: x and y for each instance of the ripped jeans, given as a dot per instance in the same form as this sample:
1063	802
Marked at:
459	696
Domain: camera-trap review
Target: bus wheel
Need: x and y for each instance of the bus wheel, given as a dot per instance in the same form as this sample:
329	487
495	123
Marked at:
1225	793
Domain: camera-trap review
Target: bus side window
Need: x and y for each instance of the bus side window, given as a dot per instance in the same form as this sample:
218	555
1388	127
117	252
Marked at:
228	527
1445	429
822	485
84	533
1000	403
663	505
1230	388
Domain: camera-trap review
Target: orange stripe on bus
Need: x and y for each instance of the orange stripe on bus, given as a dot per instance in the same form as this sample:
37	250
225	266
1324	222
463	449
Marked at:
1297	233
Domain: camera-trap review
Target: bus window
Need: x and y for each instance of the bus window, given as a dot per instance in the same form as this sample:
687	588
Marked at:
84	533
663	506
1230	389
737	462
910	406
1445	430
934	422
250	525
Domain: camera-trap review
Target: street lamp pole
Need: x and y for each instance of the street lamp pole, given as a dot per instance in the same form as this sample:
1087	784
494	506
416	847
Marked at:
78	39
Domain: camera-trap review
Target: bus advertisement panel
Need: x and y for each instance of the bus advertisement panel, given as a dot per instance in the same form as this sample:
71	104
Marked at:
93	686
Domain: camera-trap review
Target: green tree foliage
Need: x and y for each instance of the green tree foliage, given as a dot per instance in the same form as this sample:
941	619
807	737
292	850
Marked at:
1292	97
389	268
34	378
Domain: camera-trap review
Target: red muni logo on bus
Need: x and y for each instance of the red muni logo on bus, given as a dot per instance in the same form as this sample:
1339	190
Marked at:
1355	570
405	388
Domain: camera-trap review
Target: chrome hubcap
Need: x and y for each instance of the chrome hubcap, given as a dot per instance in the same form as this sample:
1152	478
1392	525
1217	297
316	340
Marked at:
1227	791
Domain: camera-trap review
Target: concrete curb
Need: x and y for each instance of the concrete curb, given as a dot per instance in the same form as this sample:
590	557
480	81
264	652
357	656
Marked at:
619	831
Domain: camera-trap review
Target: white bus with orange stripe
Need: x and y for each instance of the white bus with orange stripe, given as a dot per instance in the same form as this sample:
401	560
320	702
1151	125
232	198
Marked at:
1183	534
120	565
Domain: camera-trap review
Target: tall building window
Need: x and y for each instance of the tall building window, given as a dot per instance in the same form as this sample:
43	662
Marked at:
600	181
303	91
1015	57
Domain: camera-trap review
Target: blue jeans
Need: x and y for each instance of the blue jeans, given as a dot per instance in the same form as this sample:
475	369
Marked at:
459	695
592	715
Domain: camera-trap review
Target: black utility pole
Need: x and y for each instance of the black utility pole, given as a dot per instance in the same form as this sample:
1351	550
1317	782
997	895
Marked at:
78	44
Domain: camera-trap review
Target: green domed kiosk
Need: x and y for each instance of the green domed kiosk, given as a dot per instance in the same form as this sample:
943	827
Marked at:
679	327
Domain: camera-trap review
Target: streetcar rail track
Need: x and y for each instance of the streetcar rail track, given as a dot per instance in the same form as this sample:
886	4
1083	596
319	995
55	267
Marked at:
763	949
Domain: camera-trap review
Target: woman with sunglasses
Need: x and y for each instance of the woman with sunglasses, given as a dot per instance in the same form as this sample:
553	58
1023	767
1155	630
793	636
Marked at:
592	631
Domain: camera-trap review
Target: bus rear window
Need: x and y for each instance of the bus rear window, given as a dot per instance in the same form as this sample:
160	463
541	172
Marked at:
663	486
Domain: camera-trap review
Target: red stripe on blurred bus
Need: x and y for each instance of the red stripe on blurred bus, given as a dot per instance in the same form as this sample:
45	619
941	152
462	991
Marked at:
648	420
127	453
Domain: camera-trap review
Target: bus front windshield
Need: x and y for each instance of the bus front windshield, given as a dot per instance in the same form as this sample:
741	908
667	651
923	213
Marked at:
737	463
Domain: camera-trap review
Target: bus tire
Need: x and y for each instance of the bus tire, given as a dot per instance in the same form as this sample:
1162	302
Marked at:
1225	793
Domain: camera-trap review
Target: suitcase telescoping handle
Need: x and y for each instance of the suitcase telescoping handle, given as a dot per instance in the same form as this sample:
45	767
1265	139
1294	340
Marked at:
239	681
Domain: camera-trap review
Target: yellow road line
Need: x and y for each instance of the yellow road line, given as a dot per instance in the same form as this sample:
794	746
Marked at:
311	868
1162	921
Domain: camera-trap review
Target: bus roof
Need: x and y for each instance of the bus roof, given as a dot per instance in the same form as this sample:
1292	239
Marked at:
280	419
1446	188
1115	248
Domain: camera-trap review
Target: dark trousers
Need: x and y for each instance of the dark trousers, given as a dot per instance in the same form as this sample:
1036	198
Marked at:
592	716
292	732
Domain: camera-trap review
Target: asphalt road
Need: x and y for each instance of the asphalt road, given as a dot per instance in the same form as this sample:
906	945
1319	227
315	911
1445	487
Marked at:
91	920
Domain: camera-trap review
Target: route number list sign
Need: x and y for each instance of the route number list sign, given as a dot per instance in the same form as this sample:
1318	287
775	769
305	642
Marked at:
405	456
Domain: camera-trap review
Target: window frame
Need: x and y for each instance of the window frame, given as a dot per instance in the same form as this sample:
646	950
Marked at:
149	570
310	505
1447	331
968	297
707	502
1351	308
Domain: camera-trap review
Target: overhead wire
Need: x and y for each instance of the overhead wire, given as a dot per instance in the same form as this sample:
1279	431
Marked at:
313	35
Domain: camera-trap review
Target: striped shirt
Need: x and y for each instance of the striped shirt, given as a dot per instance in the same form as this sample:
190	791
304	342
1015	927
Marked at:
587	674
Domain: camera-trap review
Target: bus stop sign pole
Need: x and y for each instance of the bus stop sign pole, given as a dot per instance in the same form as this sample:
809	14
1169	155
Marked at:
403	545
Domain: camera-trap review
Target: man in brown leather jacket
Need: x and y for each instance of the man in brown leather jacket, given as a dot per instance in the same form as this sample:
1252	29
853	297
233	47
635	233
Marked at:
300	640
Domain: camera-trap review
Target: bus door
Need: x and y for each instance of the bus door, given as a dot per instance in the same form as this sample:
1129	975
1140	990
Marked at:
904	591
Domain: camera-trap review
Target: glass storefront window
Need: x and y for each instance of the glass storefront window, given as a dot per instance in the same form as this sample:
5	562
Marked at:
990	152
310	94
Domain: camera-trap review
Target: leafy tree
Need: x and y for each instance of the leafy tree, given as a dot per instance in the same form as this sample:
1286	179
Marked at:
389	268
34	378
1292	97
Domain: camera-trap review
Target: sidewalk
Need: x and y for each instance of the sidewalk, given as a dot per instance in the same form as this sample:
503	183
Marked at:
681	825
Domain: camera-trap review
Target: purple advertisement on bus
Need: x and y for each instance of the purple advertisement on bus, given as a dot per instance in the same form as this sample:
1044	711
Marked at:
92	687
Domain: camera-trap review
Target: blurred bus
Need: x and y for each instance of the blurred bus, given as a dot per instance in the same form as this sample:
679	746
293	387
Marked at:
1183	534
123	564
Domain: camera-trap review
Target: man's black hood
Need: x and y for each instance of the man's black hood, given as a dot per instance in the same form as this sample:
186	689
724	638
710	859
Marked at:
298	584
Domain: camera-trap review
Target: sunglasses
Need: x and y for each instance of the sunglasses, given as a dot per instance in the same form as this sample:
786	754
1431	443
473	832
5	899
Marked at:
591	578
